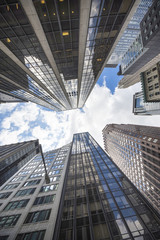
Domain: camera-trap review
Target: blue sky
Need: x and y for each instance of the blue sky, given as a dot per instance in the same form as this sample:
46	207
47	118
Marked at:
106	104
111	78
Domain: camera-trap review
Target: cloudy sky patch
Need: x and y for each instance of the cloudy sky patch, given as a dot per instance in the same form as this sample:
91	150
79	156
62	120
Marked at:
26	121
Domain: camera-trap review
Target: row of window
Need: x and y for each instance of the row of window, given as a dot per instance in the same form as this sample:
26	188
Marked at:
30	191
38	216
22	203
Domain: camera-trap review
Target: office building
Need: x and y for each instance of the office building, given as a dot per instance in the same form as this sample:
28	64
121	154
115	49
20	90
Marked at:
146	45
136	151
53	52
140	107
88	198
129	80
15	156
131	30
150	80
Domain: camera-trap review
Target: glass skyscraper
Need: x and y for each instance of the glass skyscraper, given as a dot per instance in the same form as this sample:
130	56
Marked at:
88	197
53	52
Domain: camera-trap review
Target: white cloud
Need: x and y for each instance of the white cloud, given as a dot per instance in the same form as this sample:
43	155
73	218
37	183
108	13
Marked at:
29	121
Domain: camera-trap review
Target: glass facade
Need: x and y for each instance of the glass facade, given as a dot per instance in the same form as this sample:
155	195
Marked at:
40	48
99	202
131	32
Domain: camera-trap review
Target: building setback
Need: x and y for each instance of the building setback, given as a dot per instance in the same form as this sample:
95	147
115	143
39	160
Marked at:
136	151
52	52
14	156
88	197
140	107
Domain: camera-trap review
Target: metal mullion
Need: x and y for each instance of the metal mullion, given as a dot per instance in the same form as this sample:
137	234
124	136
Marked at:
110	191
50	22
136	190
70	27
89	214
21	41
100	200
60	27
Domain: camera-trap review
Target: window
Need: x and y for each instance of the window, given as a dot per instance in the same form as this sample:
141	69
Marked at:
155	76
154	69
44	199
7	221
4	237
157	93
5	195
150	88
37	175
11	186
55	179
30	183
17	179
55	172
49	188
16	204
25	192
58	166
38	216
24	172
39	235
149	79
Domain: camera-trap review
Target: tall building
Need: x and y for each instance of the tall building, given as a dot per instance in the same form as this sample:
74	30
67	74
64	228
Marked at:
140	107
14	156
146	46
88	198
53	52
136	151
150	80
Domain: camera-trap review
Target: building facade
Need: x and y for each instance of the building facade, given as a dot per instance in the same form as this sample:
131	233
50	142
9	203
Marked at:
140	107
52	52
29	205
88	197
136	151
145	47
129	80
150	80
15	156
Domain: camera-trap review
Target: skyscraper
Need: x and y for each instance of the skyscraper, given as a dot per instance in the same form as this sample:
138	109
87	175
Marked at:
136	151
150	80
88	197
14	156
53	52
145	47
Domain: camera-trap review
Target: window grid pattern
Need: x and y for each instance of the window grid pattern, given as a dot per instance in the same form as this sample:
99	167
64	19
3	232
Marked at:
137	155
44	199
106	203
16	204
8	221
38	216
25	45
106	19
38	235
